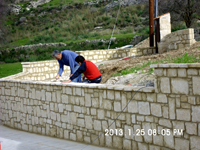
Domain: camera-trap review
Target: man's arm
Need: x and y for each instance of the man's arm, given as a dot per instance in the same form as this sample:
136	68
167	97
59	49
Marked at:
80	70
60	71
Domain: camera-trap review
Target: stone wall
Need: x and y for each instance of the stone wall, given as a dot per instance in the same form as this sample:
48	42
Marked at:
177	40
46	70
81	112
101	55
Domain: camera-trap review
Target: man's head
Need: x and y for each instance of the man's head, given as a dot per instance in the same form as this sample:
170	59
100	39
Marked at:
57	54
79	59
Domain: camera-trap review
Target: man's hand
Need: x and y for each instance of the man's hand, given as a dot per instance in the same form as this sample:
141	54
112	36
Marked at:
66	81
57	77
71	75
83	77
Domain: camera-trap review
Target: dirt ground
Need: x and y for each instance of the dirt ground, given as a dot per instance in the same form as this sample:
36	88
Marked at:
109	68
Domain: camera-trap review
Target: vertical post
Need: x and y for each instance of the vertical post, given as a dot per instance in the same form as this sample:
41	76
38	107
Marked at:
156	23
151	23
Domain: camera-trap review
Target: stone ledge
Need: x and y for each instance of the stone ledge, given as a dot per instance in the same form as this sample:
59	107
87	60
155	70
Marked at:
173	65
87	85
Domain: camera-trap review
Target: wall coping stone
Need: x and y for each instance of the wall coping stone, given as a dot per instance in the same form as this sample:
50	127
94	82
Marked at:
174	65
85	85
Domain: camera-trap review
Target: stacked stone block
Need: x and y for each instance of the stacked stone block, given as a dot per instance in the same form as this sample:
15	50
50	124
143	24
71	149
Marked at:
177	40
81	112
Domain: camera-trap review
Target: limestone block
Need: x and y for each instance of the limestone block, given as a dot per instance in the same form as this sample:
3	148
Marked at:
72	136
195	113
179	86
64	99
97	125
158	140
81	122
182	73
169	140
140	118
60	107
183	114
144	108
117	95
101	114
48	96
68	90
73	118
126	144
133	107
194	142
151	97
117	142
172	72
165	122
158	72
117	106
178	125
137	129
133	120
88	101
191	128
196	85
128	132
192	72
151	147
77	109
88	122
107	104
172	108
147	138
109	141
165	85
95	102
162	98
156	110
192	100
69	107
110	94
181	144
64	118
143	146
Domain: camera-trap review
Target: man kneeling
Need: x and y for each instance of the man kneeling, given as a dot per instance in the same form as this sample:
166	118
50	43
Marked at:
89	69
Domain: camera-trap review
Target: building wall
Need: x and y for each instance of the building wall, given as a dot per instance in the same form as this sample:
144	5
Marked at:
177	40
81	112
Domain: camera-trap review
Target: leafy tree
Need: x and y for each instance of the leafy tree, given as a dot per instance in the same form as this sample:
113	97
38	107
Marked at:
184	10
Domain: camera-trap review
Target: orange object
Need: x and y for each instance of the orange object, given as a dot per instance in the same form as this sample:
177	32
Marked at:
126	58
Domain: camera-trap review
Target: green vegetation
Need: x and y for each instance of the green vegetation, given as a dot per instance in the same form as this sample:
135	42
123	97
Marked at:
185	58
51	23
10	69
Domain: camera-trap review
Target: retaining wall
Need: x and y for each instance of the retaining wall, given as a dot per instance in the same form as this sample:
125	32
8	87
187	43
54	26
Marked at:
80	112
46	70
177	40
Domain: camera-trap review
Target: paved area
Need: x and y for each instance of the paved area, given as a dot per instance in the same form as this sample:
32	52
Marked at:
12	139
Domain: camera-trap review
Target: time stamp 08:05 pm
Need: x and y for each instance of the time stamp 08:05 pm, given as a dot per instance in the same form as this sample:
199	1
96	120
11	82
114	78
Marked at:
143	132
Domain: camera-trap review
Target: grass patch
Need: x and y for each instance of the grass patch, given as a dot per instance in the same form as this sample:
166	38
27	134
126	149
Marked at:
10	69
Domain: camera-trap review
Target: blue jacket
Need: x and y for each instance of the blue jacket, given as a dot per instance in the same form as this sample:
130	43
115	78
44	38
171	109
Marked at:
68	58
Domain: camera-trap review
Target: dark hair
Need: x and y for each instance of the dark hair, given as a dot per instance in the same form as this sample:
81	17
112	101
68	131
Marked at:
79	58
55	53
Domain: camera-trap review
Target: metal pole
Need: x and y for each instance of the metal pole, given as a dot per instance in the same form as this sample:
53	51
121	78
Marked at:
151	23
